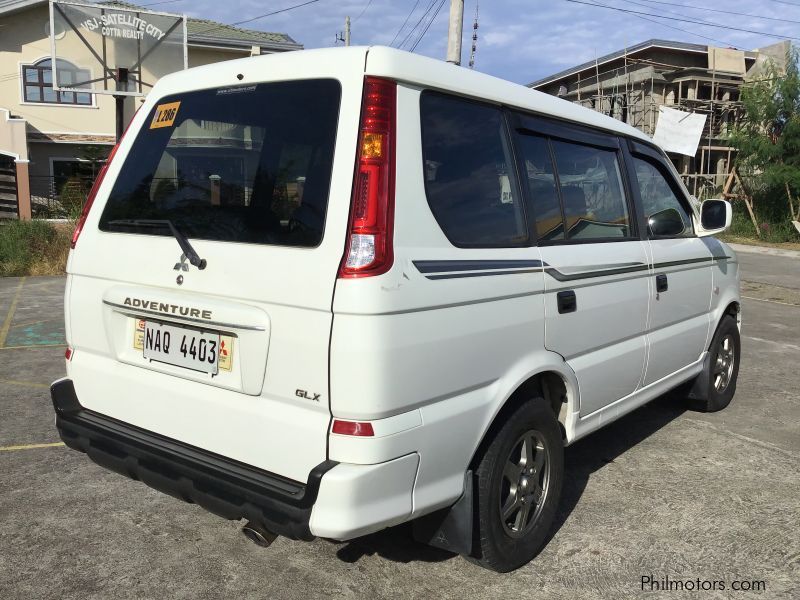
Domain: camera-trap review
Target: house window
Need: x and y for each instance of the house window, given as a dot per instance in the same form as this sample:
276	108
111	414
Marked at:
38	83
65	169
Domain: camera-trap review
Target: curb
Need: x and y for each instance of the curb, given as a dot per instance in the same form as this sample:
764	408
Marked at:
747	249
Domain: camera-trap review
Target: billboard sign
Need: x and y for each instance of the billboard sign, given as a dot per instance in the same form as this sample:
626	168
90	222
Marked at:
102	49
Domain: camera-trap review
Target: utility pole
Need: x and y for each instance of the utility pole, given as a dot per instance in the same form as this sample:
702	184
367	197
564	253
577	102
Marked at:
345	35
454	32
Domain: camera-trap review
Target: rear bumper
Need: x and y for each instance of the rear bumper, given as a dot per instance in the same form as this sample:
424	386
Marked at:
225	487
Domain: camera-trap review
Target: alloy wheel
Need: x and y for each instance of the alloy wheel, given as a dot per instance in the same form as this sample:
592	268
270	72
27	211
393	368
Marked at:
724	363
525	483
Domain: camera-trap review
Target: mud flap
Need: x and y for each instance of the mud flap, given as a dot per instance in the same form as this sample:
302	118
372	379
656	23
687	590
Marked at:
449	528
700	386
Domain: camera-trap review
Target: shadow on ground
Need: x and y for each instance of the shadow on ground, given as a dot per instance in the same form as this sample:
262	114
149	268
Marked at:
581	460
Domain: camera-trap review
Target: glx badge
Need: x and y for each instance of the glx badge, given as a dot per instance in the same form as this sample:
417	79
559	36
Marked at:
304	394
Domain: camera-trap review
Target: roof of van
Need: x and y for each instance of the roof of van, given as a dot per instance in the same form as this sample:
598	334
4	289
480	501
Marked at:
432	73
424	72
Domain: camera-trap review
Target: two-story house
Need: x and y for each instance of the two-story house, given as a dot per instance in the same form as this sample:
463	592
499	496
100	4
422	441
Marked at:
51	142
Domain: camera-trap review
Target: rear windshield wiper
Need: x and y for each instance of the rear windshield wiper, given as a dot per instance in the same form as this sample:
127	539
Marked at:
183	241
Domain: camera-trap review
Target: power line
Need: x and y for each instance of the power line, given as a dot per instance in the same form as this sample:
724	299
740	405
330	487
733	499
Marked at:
403	26
705	37
162	2
704	23
363	10
716	10
256	18
414	28
275	12
676	28
433	18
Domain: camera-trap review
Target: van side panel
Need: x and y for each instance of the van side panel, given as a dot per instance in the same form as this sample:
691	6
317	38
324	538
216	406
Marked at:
449	348
725	283
679	319
603	340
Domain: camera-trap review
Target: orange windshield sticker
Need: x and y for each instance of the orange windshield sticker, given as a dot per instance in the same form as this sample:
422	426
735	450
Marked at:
165	115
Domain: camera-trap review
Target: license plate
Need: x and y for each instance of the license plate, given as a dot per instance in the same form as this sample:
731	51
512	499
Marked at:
181	346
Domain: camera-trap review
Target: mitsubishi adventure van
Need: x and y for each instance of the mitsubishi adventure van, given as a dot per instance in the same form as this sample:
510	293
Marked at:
332	291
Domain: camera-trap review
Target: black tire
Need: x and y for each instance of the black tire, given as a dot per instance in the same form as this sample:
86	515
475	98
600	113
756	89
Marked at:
497	545
722	370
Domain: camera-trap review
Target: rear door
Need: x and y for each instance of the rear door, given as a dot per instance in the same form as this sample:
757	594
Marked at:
257	176
681	278
596	290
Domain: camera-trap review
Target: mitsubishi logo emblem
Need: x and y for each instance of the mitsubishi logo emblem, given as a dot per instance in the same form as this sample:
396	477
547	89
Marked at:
181	266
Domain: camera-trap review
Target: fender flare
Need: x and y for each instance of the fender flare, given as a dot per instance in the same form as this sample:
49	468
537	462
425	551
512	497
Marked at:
519	374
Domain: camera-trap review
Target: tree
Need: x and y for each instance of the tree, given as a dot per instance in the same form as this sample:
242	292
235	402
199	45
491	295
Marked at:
767	138
94	157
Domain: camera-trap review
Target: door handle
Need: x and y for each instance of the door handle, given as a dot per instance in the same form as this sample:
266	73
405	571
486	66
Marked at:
567	302
662	285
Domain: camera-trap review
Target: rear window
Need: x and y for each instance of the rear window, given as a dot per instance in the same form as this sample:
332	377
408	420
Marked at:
468	175
247	164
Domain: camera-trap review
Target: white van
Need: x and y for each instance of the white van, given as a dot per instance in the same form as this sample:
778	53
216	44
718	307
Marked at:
332	291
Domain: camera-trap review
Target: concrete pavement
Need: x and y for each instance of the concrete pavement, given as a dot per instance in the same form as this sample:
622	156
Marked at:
663	492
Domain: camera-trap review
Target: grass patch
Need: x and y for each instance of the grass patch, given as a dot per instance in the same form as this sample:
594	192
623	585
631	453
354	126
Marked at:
773	230
774	222
33	248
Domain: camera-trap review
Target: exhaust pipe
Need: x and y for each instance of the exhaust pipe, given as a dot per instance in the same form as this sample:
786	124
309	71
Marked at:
258	534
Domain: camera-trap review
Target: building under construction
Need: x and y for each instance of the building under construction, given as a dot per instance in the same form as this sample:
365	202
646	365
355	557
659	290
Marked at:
633	84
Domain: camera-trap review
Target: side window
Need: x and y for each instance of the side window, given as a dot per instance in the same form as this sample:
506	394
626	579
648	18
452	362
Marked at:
541	183
666	216
468	173
591	191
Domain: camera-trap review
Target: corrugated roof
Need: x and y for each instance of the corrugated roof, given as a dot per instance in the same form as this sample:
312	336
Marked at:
207	30
654	43
7	6
203	28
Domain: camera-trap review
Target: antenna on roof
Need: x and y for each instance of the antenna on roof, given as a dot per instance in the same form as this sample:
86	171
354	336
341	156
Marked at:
474	38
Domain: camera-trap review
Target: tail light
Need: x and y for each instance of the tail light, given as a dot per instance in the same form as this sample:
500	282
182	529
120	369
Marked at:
354	428
369	233
96	186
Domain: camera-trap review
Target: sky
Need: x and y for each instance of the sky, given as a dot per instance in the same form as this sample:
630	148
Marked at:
518	40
